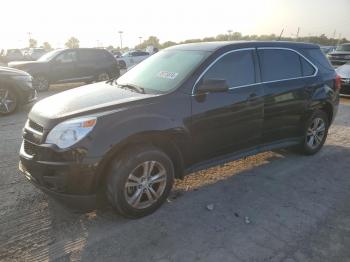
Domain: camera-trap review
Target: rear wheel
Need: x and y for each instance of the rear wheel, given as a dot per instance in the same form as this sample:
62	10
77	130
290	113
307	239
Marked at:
139	181
8	101
315	132
102	77
122	64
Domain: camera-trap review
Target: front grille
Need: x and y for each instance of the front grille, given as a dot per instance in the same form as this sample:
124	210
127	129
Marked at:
29	148
35	126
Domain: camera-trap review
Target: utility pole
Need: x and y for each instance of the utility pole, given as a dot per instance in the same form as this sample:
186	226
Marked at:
29	38
121	39
229	34
297	35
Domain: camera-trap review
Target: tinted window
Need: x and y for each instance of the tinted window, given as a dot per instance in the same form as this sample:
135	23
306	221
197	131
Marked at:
67	57
279	64
87	55
308	69
318	58
236	68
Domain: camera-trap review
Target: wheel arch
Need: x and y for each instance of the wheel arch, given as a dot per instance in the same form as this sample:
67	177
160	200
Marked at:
165	141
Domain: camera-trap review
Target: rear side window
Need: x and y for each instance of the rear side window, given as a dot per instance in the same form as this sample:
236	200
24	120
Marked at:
278	64
236	68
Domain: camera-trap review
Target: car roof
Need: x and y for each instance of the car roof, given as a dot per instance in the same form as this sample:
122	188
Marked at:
214	46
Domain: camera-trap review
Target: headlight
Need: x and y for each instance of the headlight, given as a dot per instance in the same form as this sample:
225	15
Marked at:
24	78
71	131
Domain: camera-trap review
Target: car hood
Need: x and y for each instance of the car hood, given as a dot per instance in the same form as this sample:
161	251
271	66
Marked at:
83	100
343	71
11	71
16	64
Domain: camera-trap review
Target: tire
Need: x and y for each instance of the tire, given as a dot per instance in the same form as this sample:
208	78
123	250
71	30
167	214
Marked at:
122	64
128	182
8	101
102	77
41	83
315	133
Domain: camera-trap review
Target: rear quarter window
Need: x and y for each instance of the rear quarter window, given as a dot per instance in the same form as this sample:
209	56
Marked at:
318	58
279	64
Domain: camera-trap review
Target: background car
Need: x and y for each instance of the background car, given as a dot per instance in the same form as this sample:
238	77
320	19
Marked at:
344	72
132	58
341	55
15	89
70	66
35	53
9	55
327	49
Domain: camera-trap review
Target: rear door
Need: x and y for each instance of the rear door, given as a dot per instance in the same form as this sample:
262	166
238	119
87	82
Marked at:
287	81
87	64
228	121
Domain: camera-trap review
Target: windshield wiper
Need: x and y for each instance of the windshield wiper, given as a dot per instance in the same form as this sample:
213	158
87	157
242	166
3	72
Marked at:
132	87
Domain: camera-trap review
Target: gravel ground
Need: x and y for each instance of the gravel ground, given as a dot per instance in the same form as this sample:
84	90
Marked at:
275	206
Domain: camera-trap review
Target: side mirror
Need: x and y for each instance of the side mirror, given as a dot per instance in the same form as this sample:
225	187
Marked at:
212	86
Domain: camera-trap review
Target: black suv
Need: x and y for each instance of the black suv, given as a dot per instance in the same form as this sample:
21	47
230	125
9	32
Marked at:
341	55
69	66
183	109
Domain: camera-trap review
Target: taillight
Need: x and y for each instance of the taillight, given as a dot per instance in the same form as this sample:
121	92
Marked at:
337	83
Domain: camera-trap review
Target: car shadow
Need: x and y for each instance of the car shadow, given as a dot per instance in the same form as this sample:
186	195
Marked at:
259	203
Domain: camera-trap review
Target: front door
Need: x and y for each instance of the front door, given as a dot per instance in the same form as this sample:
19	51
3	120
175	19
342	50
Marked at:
64	67
228	121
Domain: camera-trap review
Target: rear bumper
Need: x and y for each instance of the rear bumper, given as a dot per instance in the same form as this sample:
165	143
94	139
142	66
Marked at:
345	89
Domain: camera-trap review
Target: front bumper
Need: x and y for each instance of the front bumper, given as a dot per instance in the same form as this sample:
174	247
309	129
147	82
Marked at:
71	182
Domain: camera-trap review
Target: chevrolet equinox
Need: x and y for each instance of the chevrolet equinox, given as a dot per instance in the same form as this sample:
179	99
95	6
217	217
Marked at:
183	109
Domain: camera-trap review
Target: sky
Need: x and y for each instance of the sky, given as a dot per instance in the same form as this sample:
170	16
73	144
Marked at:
97	23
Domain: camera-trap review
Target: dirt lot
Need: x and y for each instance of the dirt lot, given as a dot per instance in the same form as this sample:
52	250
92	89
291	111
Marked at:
276	206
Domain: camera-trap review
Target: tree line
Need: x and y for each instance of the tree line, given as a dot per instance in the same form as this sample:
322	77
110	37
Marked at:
322	39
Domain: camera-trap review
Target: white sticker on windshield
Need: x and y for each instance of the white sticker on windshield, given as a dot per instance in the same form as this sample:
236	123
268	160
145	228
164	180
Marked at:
168	75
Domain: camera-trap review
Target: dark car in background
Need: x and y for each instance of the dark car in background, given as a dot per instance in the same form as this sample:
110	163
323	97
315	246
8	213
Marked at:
183	109
341	55
15	89
69	66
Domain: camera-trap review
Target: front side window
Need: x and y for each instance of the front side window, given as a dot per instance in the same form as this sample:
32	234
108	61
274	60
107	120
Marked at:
279	64
67	57
236	68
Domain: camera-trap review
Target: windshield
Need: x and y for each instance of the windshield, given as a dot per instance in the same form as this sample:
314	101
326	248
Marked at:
49	55
163	71
343	48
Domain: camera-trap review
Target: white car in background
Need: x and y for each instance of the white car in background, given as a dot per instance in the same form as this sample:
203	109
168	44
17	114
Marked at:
132	58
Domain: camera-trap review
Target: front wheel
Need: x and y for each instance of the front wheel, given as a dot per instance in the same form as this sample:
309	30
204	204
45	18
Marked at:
41	83
315	132
8	101
139	181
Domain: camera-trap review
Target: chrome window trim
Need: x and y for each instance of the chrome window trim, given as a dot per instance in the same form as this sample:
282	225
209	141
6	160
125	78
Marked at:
262	82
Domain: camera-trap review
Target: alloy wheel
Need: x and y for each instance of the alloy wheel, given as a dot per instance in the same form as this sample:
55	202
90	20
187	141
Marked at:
145	184
41	83
315	133
8	101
